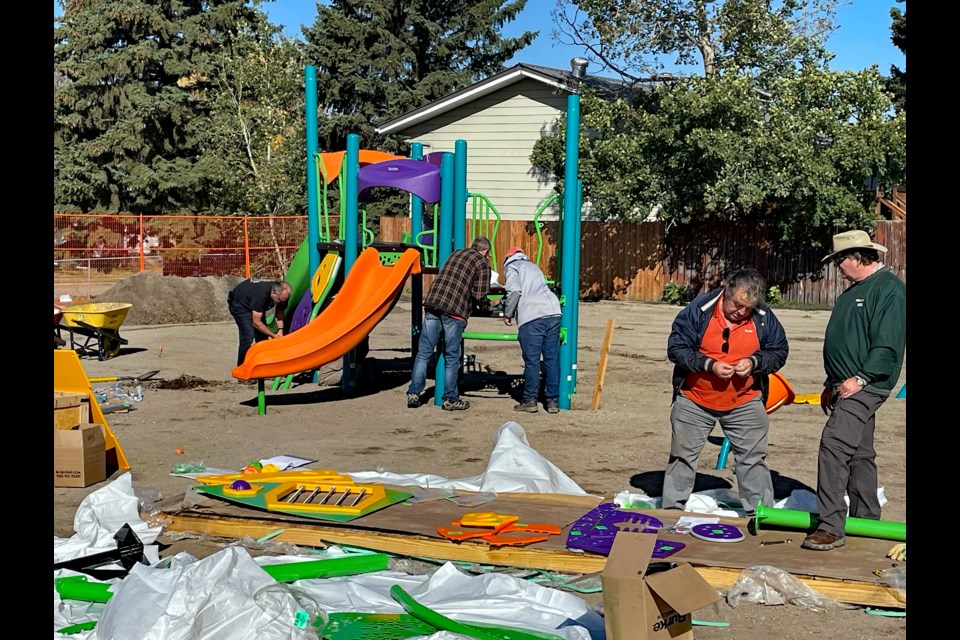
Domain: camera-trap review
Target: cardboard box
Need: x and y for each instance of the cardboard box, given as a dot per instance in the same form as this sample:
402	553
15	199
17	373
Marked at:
79	456
70	409
658	606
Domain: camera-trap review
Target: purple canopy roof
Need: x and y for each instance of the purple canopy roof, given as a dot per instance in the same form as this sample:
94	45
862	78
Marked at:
420	178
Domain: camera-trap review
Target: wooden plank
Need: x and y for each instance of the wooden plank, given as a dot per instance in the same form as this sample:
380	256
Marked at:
602	366
720	578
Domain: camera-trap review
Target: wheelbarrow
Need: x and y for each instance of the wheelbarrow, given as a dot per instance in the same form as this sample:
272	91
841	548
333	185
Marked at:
94	328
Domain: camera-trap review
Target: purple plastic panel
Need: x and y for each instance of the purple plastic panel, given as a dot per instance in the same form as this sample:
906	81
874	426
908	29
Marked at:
301	316
435	157
717	532
420	178
597	528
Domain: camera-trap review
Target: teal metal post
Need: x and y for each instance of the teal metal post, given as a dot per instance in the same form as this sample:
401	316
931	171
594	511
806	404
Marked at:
574	298
416	204
350	240
460	194
416	281
444	233
313	213
570	246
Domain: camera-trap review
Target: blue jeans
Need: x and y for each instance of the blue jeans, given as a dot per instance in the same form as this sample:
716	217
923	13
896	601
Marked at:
429	336
540	338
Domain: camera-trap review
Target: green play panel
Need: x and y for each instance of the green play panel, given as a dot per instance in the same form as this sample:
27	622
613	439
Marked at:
258	501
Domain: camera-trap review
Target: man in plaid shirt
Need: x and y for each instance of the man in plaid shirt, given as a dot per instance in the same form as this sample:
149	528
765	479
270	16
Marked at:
464	280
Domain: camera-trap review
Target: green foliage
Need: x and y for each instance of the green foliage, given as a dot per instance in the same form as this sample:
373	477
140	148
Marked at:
378	59
755	37
897	83
674	293
136	92
773	295
797	152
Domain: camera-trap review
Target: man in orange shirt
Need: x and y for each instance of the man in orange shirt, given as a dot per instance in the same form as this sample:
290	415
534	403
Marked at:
724	346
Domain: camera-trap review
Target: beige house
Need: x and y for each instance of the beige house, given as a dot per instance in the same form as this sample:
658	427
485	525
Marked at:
501	118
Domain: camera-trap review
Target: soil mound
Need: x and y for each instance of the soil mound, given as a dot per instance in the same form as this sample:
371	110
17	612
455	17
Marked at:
158	299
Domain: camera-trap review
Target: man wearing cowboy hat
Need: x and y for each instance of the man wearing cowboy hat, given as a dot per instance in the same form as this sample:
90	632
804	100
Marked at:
863	349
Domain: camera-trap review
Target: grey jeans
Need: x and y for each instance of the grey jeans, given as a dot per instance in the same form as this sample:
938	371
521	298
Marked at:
745	426
847	463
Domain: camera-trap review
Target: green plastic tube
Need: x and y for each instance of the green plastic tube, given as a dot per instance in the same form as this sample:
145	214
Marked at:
328	567
794	519
79	588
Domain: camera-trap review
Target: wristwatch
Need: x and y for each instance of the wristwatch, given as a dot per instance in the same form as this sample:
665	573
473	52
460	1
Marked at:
860	381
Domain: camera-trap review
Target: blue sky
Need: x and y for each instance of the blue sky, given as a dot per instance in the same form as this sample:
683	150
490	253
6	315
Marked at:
862	39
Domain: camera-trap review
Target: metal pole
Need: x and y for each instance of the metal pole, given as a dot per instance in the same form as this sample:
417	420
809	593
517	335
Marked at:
313	217
569	241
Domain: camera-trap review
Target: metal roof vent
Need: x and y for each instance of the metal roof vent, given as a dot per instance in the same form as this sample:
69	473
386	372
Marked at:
579	67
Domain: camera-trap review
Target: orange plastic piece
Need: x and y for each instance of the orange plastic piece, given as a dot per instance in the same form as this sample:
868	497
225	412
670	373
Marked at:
485	519
367	295
496	529
331	162
780	393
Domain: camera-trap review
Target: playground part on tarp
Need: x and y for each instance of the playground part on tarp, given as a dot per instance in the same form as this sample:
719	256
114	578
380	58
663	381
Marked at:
595	530
330	494
69	377
795	519
717	532
468	629
129	552
295	475
779	393
493	528
82	589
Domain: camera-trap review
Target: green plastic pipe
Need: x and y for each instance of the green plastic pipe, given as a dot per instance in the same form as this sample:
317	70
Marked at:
794	519
475	335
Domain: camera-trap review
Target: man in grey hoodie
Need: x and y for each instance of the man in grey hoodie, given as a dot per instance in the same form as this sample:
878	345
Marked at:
537	311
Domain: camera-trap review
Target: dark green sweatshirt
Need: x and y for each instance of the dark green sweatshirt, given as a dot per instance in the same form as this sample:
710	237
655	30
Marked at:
866	333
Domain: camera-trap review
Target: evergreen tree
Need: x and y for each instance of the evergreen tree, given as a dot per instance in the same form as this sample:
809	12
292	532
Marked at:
132	94
376	59
898	78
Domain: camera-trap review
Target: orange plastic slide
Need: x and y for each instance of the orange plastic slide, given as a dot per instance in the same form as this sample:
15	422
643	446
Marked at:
367	295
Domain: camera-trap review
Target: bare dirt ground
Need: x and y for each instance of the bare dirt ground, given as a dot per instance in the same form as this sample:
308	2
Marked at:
623	445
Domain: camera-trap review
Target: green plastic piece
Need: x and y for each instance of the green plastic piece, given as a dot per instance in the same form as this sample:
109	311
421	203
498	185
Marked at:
79	588
375	626
473	630
77	628
328	567
794	519
885	612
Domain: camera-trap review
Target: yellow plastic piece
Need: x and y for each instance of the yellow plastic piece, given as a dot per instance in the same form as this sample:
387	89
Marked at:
898	551
325	272
276	498
496	521
103	315
301	475
69	376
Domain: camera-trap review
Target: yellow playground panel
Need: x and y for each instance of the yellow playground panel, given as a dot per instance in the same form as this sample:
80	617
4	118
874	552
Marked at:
69	376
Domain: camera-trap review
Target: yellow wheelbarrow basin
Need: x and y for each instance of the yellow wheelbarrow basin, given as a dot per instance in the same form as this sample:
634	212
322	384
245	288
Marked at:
102	315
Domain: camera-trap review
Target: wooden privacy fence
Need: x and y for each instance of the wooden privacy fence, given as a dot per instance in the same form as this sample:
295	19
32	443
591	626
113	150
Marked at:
634	260
618	260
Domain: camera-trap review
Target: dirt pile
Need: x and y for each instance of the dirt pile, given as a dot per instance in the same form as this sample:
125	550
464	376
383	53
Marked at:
158	299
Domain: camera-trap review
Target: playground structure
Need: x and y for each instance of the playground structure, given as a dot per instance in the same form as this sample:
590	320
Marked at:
374	273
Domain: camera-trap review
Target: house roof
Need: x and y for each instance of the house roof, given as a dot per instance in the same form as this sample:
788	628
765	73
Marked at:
560	79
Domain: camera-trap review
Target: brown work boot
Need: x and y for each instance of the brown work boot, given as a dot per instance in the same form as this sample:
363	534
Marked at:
820	540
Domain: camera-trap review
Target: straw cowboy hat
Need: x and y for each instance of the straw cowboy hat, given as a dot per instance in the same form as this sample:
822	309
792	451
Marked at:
852	240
